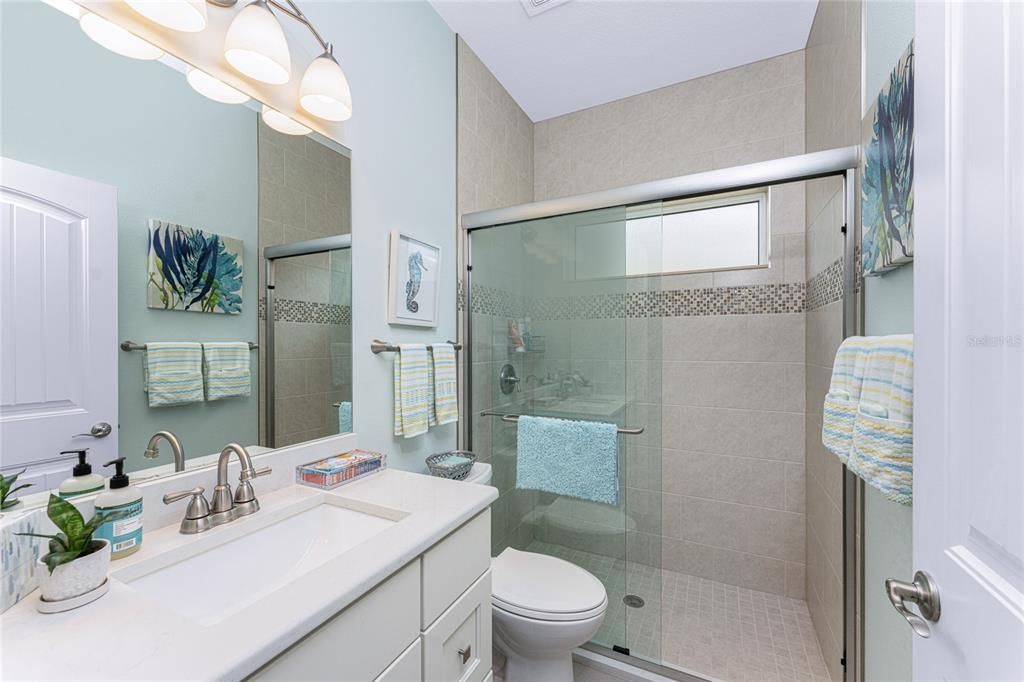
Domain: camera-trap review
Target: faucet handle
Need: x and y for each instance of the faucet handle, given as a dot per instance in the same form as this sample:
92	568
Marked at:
197	514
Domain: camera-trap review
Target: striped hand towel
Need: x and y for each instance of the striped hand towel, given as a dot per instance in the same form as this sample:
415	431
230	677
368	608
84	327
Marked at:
840	409
446	383
412	390
883	433
172	373
226	370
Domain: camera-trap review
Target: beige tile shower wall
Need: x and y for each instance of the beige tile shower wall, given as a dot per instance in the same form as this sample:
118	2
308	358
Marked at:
751	113
833	119
495	169
495	140
305	194
721	397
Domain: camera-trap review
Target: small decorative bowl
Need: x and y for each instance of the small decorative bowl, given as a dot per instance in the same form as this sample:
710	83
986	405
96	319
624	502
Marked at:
454	464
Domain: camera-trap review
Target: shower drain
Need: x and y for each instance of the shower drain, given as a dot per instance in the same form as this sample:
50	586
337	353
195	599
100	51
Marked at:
633	601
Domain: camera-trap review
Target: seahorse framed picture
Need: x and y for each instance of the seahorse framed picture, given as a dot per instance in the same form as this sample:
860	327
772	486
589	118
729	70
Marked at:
414	270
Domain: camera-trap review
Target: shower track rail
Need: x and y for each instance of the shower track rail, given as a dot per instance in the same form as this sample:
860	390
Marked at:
513	418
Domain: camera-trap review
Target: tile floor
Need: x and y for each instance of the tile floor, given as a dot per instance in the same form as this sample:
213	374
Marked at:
702	626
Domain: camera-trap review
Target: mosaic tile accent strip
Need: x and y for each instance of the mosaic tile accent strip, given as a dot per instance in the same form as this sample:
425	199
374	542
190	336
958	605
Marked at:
490	301
18	556
826	286
742	300
310	312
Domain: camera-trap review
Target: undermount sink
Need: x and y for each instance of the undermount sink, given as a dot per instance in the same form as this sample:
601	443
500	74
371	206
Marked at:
223	573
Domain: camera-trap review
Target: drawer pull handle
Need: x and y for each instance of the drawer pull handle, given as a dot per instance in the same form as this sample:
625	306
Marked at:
465	654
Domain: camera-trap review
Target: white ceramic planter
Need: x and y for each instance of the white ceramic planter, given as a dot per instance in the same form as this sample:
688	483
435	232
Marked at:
77	577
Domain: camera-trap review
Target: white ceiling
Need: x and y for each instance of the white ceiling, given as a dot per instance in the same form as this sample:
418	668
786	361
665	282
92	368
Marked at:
588	52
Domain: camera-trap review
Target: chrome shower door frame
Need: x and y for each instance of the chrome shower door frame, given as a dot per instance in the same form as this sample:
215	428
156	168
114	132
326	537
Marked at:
840	162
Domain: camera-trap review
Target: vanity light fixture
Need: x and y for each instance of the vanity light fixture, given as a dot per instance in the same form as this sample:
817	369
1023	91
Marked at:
188	16
256	47
283	124
324	89
117	39
213	88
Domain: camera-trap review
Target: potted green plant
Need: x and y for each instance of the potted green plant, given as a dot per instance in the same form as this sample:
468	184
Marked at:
7	489
76	563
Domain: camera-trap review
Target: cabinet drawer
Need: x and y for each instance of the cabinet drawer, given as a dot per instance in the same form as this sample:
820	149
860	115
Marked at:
454	563
457	647
359	642
408	667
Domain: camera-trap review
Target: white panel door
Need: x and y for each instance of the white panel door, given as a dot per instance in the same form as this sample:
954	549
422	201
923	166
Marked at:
968	324
58	319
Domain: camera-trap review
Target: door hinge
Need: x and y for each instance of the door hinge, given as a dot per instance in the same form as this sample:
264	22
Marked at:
843	229
842	661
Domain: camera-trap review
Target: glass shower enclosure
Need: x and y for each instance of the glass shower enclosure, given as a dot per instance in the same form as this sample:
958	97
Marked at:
549	336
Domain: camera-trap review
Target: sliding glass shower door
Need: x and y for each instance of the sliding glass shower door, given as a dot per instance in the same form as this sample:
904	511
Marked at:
549	333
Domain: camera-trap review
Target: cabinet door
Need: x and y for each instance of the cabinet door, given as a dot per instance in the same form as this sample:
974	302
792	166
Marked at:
454	563
457	647
408	667
359	642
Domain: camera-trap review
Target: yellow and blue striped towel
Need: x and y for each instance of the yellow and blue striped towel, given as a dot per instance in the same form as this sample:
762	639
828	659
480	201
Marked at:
840	409
883	433
413	398
173	373
226	370
446	384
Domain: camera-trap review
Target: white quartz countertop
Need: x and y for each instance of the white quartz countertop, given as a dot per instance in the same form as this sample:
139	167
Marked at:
125	635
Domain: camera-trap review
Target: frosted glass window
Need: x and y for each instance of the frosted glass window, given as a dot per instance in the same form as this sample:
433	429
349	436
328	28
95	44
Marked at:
710	233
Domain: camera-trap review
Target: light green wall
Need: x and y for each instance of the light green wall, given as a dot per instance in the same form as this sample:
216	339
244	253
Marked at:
400	61
888	309
72	106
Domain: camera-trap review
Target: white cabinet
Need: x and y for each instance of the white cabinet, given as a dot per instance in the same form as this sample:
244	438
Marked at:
450	566
408	667
428	622
359	642
457	647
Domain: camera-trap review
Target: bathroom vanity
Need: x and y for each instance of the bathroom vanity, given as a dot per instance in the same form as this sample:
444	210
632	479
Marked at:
387	578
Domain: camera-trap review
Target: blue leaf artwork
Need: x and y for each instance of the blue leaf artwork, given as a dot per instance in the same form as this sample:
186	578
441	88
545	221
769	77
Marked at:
193	270
887	173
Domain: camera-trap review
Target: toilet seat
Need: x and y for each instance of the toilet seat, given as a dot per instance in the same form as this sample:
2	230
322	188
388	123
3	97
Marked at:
545	588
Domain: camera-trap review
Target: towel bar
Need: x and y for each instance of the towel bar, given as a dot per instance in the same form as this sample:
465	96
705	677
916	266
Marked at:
128	346
626	431
377	347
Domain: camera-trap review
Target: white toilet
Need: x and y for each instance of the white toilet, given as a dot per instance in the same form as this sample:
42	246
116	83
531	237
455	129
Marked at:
541	609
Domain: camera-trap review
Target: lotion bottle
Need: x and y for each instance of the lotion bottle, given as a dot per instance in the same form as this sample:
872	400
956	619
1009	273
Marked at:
125	500
83	481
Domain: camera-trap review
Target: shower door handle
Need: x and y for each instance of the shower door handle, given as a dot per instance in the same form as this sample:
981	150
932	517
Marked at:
923	592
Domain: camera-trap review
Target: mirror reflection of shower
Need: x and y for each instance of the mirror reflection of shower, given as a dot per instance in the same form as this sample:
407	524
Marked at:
308	336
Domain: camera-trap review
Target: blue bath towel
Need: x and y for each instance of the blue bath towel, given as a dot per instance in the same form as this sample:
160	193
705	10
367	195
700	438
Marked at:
574	458
345	417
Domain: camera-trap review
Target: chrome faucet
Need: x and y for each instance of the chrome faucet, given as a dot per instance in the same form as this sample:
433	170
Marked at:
224	507
201	515
153	449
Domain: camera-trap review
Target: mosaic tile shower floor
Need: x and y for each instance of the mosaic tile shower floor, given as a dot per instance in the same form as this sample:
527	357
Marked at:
702	626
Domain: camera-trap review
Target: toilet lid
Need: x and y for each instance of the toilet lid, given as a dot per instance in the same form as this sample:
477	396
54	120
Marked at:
543	587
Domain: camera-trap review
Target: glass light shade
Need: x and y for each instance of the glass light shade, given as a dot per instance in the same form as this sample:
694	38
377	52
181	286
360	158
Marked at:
324	90
213	88
281	123
188	16
255	45
117	39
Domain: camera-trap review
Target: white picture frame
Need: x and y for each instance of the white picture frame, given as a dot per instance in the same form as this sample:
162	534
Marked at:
414	268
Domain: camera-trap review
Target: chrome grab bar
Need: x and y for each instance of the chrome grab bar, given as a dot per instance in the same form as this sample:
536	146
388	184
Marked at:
512	418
